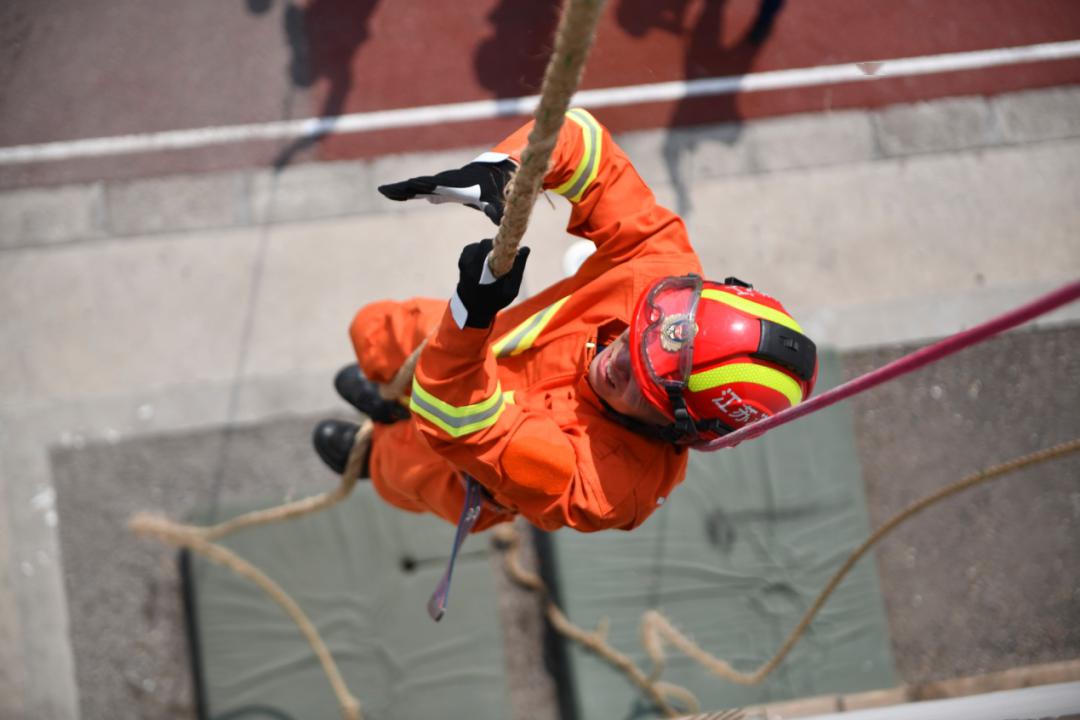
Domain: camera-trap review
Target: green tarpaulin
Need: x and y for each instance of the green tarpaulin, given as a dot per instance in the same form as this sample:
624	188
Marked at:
363	572
734	558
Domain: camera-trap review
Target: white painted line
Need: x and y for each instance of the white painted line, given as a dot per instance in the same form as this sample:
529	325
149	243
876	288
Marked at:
487	109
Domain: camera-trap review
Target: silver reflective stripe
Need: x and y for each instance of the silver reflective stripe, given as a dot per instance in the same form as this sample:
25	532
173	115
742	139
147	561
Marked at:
511	344
523	336
593	143
455	425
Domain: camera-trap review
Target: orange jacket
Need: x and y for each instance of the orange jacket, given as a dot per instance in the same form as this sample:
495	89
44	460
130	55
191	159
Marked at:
512	406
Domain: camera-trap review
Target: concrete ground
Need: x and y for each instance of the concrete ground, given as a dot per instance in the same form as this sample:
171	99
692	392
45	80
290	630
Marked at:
988	580
152	308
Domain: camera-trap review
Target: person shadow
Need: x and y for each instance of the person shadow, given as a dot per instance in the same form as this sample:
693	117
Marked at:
704	57
510	60
323	38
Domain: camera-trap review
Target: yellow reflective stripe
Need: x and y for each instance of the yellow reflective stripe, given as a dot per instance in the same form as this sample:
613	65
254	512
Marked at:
589	165
524	335
508	396
747	373
456	421
752	308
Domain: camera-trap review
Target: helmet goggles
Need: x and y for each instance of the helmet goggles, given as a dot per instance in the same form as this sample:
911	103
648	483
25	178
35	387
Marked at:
667	340
666	324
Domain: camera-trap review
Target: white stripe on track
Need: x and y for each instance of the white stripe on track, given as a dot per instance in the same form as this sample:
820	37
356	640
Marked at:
487	109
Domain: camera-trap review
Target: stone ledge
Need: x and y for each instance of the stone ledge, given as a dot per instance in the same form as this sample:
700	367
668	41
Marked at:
73	213
48	216
1039	114
943	125
173	204
802	141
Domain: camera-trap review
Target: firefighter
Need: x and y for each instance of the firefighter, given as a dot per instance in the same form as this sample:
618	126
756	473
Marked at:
576	407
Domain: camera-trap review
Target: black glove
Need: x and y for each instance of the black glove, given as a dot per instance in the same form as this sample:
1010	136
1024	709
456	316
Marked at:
480	295
479	185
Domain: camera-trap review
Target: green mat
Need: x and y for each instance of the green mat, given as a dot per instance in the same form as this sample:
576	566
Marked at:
734	558
362	571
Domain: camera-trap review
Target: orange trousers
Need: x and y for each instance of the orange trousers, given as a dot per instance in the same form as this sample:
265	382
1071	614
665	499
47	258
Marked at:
405	471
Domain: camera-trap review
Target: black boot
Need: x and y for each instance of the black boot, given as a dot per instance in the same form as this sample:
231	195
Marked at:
364	395
333	441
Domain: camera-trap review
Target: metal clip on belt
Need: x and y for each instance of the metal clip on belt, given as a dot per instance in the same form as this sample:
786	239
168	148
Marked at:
474	498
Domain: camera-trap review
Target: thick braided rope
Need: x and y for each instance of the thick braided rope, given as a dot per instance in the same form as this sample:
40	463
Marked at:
661	694
573	40
304	506
576	30
395	389
147	524
656	628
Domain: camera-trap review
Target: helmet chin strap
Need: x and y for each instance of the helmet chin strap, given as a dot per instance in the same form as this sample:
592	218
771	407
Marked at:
684	431
684	428
656	432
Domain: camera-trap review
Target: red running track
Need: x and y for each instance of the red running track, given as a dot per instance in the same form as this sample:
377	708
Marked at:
81	70
638	44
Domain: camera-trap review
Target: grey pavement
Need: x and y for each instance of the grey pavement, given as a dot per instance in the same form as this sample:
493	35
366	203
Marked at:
987	581
139	308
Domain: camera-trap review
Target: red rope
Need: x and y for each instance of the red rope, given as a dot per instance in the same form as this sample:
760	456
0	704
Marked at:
904	365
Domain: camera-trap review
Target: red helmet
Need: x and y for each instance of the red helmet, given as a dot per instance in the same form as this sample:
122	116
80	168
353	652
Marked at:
717	356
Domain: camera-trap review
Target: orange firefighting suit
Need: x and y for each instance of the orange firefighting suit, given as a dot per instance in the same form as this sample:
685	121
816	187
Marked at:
512	406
